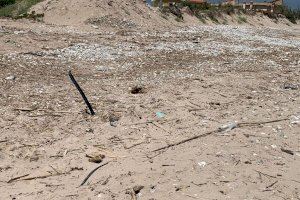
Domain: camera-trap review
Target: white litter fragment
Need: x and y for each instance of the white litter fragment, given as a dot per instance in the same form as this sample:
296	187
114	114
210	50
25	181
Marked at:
202	163
228	127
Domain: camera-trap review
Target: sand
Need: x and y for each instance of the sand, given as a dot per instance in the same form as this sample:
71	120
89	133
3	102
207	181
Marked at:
193	78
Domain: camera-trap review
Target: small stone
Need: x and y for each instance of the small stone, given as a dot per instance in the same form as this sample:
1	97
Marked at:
89	130
137	189
96	158
102	68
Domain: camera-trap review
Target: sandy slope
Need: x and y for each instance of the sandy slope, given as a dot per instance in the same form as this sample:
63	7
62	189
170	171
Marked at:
131	14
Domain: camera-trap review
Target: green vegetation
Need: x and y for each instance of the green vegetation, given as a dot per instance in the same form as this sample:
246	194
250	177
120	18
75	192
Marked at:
17	8
6	2
242	19
291	15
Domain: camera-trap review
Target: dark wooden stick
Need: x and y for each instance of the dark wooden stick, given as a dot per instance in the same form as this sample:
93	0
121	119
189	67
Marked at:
91	173
82	93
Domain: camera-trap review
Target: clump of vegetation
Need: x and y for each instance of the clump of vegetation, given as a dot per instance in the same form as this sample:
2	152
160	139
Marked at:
242	19
18	8
6	2
291	15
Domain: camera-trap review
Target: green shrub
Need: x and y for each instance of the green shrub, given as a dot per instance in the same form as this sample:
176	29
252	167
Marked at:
291	15
17	9
6	2
242	19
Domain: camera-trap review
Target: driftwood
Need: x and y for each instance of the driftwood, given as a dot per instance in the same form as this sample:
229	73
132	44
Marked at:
81	93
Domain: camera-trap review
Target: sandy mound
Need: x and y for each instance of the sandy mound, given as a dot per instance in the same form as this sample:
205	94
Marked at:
132	14
102	13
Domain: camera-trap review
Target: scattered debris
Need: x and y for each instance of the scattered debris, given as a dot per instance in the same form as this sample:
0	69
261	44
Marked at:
228	127
102	68
134	191
160	114
287	86
287	151
181	187
295	119
113	120
202	164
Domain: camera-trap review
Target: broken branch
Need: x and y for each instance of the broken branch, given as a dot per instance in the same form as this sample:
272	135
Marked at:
238	125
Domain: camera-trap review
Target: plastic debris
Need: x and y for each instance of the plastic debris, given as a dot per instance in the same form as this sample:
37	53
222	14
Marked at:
10	78
202	163
228	127
295	119
160	114
290	87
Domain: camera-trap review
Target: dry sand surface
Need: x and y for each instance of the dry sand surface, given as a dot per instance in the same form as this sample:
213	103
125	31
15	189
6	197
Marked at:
198	77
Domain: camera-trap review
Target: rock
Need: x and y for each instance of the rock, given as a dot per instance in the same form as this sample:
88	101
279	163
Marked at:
98	158
110	3
113	120
95	27
137	189
11	78
137	90
290	87
102	68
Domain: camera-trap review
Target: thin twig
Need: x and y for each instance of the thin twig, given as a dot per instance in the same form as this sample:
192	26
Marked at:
199	184
21	178
186	140
271	185
133	195
81	93
265	174
134	145
262	122
25	109
92	172
287	151
150	122
17	178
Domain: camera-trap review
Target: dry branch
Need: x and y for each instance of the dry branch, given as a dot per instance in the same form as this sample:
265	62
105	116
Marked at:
242	124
